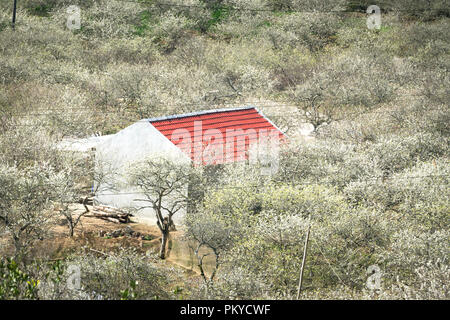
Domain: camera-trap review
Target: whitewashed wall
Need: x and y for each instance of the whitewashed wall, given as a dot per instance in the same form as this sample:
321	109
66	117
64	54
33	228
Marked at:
120	152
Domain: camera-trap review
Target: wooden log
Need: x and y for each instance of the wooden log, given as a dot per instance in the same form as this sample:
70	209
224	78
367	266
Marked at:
109	210
110	219
110	214
105	215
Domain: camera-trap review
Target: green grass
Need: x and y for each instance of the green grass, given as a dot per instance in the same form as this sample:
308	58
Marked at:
143	27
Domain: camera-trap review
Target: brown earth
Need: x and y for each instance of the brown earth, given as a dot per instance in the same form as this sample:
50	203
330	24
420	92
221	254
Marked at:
90	232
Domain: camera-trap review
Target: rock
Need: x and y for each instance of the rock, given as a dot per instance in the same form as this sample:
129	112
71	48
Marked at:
137	234
117	233
128	231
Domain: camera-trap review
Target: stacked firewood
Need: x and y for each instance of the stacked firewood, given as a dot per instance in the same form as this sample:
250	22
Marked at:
110	214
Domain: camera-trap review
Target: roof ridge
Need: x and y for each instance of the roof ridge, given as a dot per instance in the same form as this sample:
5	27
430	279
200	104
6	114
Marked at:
197	113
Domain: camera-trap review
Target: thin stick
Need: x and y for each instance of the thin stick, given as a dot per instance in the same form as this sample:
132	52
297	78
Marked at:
305	250
103	253
14	14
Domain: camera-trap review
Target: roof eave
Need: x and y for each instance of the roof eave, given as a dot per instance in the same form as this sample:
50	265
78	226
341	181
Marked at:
198	113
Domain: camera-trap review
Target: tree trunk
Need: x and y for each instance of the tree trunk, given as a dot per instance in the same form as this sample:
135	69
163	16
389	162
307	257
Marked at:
71	229
169	245
165	236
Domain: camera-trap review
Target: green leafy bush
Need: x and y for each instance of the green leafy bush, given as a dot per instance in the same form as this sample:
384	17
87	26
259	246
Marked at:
16	283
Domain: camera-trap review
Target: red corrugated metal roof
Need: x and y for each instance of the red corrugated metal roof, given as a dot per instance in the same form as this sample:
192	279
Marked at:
226	134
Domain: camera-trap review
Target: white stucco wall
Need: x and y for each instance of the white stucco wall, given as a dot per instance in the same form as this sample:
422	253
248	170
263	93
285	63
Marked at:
120	152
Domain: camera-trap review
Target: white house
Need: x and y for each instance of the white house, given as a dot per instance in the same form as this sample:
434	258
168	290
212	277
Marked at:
206	137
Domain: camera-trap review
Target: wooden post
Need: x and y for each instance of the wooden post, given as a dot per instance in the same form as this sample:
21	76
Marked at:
305	250
14	14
